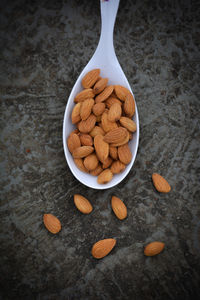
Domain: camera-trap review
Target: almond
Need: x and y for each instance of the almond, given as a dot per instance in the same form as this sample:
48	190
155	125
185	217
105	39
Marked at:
114	112
129	106
51	223
100	85
86	108
96	171
117	167
82	151
154	248
101	148
125	140
80	165
103	248
98	108
121	92
161	183
83	95
107	162
116	135
82	204
119	208
73	142
113	152
124	154
90	78
97	131
105	176
111	100
106	124
76	113
128	123
105	94
86	139
91	162
85	126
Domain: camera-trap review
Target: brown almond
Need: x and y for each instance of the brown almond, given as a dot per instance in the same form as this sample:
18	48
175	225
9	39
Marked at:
121	92
129	105
116	135
80	165
73	142
106	124
124	154
119	208
161	183
97	131
86	139
128	124
83	95
86	108
106	163
96	171
154	248
105	176
85	126
100	85
82	151
75	131
91	162
76	113
114	112
102	248
82	204
98	108
105	94
90	78
112	100
117	167
51	223
124	141
113	152
101	148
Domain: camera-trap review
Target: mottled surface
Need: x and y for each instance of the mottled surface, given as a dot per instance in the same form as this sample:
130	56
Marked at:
44	47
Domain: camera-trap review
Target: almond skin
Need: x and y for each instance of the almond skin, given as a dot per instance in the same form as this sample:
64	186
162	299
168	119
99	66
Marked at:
73	142
83	95
161	183
98	109
124	141
112	100
86	108
82	204
124	154
121	92
106	124
154	248
91	162
100	85
106	164
52	223
128	124
119	208
85	126
114	112
113	152
97	130
105	94
86	139
117	167
129	106
101	148
90	78
96	171
103	247
105	176
80	165
76	113
82	151
116	135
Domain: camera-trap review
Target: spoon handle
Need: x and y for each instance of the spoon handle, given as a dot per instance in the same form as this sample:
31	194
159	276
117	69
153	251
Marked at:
105	46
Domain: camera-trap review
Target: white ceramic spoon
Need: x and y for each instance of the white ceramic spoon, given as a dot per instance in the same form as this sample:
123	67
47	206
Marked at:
105	59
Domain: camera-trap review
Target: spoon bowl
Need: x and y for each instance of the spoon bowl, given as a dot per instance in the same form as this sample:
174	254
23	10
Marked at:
105	59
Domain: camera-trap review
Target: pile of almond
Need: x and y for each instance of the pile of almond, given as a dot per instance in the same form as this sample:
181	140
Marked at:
104	126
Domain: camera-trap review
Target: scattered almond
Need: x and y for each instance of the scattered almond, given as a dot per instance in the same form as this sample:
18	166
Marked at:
86	108
129	106
117	167
116	135
86	126
101	148
105	176
154	248
114	112
82	151
100	85
161	183
82	204
83	95
113	152
121	92
98	108
80	165
76	113
86	139
52	223
119	208
128	123
90	78
96	171
124	154
103	247
105	94
73	142
97	131
91	162
106	163
112	100
106	124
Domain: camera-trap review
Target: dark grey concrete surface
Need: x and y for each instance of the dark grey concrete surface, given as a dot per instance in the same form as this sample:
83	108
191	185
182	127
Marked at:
44	47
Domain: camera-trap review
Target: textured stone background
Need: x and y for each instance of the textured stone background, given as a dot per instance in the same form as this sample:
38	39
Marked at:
44	47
